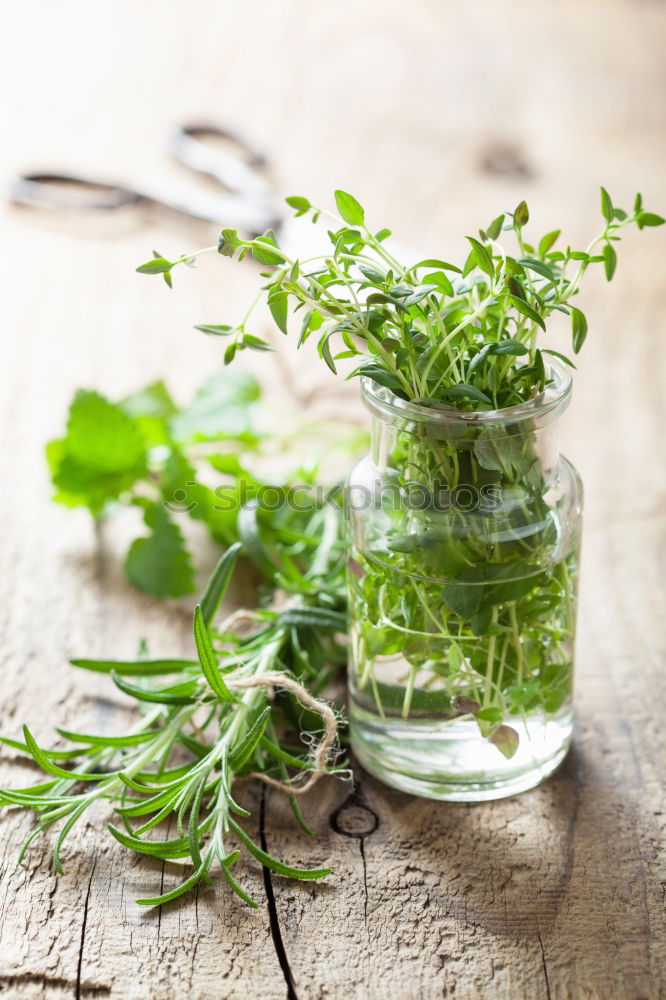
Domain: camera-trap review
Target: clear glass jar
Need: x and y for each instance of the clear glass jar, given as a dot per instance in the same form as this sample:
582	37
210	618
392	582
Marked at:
464	540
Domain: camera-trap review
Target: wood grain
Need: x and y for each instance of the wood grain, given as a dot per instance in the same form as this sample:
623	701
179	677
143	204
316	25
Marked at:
438	115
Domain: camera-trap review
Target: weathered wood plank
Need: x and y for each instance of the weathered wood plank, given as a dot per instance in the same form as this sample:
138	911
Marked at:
437	114
554	893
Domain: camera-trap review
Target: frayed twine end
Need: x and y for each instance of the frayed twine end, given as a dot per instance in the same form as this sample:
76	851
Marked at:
321	751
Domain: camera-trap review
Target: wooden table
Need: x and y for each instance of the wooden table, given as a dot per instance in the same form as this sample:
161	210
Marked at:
437	115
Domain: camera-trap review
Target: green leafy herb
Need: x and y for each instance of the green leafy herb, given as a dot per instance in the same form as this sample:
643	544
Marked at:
196	736
476	607
419	334
160	563
486	619
102	455
179	464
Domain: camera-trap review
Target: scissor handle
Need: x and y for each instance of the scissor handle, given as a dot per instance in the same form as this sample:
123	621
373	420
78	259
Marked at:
66	191
234	163
204	133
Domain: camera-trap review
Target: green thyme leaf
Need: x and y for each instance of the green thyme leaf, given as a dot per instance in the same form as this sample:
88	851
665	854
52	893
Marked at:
521	215
649	219
482	257
349	208
606	205
302	205
610	260
228	242
526	310
547	241
578	328
495	228
538	266
159	265
277	303
212	330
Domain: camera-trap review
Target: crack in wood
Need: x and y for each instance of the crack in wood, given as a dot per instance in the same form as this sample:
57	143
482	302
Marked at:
274	920
365	880
54	982
78	993
159	909
543	962
354	818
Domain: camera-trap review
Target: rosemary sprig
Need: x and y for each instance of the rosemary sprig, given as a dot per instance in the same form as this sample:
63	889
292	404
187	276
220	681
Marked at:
207	726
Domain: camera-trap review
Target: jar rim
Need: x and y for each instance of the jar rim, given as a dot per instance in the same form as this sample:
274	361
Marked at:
550	403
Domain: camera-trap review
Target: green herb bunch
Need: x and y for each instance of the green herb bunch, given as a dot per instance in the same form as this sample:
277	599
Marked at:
213	721
491	639
453	613
202	462
430	331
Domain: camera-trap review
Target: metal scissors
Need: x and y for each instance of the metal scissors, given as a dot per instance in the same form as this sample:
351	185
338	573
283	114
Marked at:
247	202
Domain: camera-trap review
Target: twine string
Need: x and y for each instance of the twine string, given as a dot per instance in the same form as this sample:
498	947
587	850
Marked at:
322	749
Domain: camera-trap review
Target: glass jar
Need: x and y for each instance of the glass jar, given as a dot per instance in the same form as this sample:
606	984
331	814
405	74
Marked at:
464	540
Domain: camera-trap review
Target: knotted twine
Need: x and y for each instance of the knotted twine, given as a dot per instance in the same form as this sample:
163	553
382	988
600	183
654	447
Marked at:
320	754
278	678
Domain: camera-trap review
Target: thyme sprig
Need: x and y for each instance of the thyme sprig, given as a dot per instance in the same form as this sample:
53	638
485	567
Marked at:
433	331
490	634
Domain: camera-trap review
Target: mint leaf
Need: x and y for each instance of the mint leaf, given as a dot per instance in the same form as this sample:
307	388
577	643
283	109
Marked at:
101	436
151	409
177	473
102	455
160	563
224	407
153	401
219	508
